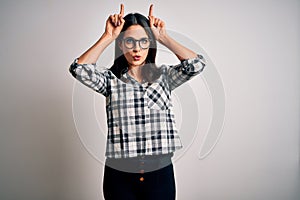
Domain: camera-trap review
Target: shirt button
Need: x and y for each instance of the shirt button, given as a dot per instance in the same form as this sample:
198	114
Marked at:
142	179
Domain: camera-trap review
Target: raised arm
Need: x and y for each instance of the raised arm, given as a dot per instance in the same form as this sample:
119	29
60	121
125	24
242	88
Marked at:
84	67
191	63
114	25
159	30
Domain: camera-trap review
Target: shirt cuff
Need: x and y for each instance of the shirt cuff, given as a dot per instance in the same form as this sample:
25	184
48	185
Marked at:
193	65
198	58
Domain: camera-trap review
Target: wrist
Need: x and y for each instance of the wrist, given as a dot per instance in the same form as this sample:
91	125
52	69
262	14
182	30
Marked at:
164	39
107	36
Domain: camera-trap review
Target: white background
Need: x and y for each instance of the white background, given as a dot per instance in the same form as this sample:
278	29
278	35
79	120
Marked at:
253	44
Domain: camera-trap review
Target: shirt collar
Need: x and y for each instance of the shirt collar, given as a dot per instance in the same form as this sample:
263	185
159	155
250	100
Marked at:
127	77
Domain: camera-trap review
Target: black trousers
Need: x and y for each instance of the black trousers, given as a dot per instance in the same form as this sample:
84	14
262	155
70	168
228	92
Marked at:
146	184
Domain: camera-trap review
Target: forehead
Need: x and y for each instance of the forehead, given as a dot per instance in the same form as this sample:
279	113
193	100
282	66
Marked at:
135	31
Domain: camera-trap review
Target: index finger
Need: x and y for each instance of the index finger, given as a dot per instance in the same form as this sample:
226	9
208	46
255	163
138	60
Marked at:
151	10
122	10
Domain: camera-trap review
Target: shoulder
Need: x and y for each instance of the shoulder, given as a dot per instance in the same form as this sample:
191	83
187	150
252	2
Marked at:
163	68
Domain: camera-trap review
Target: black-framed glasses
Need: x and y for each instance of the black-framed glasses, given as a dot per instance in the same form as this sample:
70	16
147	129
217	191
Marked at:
130	43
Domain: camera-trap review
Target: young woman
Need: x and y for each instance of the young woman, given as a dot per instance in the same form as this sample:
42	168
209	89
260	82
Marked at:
142	135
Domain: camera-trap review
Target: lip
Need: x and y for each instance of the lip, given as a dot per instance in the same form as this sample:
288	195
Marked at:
136	58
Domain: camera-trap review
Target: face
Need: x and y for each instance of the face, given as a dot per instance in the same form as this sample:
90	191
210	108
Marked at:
135	45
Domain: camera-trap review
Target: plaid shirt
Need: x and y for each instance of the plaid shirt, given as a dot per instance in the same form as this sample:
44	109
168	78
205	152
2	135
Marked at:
140	116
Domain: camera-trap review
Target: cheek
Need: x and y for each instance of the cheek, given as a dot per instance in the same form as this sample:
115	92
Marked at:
125	50
127	55
145	53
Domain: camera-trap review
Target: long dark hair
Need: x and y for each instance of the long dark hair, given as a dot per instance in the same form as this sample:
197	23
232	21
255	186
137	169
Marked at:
150	72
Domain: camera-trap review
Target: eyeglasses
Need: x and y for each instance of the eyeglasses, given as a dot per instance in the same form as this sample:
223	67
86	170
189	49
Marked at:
130	43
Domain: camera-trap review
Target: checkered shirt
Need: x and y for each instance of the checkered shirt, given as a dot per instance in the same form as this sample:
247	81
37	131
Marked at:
140	117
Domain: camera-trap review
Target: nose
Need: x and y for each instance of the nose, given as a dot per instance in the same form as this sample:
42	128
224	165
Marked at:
137	46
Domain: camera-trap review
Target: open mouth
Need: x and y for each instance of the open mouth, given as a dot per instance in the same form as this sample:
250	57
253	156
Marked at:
136	58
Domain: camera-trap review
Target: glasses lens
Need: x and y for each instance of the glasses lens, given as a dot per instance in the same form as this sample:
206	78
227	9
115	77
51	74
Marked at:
129	42
144	43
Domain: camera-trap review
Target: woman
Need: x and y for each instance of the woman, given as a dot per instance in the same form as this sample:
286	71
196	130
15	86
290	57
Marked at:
142	135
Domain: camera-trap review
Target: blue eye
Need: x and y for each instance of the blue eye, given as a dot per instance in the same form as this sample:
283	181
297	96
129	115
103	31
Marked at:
129	40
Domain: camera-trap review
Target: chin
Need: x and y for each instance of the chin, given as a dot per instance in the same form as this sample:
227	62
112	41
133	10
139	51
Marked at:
137	63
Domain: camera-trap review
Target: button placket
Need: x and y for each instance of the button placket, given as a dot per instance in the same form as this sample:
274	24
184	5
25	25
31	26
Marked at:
142	170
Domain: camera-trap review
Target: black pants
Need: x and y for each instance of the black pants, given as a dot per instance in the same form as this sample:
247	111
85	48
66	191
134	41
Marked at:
143	185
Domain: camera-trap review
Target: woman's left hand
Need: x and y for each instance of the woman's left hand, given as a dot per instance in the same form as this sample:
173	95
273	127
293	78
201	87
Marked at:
157	25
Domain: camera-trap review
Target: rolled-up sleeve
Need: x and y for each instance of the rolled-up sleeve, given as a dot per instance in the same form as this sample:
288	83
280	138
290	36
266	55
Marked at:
91	77
187	69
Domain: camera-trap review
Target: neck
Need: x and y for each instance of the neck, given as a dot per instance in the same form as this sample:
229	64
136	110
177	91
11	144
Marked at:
136	72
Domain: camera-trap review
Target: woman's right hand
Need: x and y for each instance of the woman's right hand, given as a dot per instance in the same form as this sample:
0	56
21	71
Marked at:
115	23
